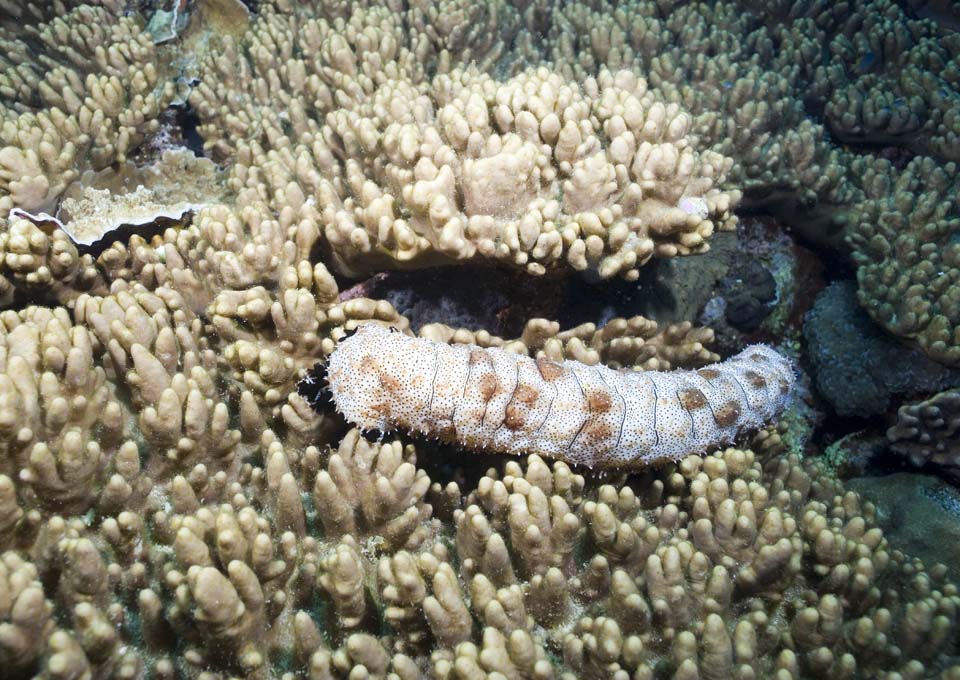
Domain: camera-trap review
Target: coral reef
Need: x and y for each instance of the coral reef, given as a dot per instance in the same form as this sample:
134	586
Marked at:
173	505
906	246
138	196
898	495
719	564
414	172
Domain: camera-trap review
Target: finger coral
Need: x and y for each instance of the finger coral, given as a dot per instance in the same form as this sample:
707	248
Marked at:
85	101
927	432
906	248
630	184
600	176
177	501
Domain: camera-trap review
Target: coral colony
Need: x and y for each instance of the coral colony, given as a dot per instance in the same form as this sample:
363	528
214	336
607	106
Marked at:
206	204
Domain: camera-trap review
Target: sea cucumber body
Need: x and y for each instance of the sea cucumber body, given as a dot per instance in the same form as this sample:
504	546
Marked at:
489	399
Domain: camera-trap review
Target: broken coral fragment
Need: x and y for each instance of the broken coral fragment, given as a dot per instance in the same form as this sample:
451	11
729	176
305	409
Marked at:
101	203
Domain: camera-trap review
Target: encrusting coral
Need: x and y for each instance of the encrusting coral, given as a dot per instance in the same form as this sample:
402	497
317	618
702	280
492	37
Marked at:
172	505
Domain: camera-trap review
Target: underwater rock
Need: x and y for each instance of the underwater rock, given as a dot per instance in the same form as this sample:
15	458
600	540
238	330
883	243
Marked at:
751	292
858	368
919	514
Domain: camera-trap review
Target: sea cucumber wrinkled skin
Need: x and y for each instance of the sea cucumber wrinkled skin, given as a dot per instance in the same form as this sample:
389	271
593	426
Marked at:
497	401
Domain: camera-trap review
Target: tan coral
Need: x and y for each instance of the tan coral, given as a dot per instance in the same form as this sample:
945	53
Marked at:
341	575
423	599
26	614
86	100
739	564
637	342
228	583
516	655
631	184
466	32
926	432
39	260
905	248
164	191
374	490
63	419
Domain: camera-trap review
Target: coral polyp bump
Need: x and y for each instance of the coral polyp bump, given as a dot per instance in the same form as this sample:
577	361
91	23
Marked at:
499	401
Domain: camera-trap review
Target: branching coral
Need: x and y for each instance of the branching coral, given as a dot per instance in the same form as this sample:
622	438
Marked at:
227	560
637	342
86	100
927	432
905	243
534	171
171	506
890	80
602	177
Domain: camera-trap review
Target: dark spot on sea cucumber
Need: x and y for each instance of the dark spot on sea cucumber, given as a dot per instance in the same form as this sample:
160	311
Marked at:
488	386
755	379
599	401
759	358
514	417
692	399
549	370
708	373
526	395
728	414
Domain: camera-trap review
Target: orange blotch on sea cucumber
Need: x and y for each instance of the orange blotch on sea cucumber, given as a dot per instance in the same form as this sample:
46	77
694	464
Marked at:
692	399
599	402
549	370
488	386
728	414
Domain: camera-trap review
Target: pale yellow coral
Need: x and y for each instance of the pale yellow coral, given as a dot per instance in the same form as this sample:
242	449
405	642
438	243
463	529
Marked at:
637	342
630	184
86	99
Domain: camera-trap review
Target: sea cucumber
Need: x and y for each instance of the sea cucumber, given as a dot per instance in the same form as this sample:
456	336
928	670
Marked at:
493	400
